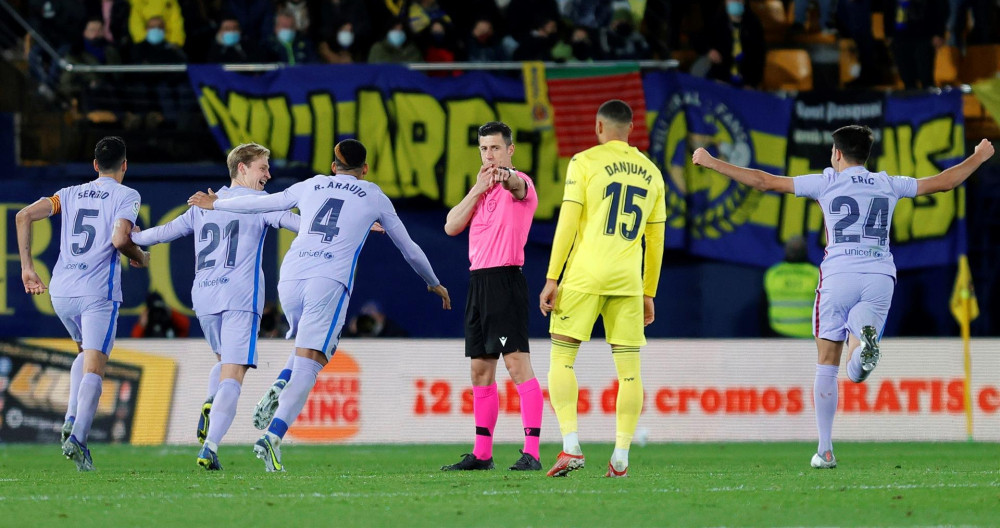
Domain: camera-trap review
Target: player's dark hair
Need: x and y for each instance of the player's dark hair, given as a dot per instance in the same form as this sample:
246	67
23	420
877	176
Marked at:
497	127
616	111
109	153
349	154
854	142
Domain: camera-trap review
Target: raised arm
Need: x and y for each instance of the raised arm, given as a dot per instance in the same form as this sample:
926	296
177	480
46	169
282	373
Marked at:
952	177
245	204
172	230
757	179
460	215
511	181
42	208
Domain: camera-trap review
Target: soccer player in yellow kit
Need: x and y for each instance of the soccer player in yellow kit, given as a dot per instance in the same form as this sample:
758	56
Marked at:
614	196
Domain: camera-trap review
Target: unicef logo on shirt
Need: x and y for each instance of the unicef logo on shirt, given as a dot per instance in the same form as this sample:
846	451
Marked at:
325	255
82	267
328	255
224	280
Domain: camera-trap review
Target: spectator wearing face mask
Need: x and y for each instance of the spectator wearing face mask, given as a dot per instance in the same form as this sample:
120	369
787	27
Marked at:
334	15
159	97
169	10
343	48
582	44
227	48
620	40
287	44
396	47
483	45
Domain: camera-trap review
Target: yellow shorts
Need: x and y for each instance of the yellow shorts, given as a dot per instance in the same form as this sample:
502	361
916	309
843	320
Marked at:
576	313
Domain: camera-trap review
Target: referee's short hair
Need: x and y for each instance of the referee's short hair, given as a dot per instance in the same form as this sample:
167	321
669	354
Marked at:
616	111
349	154
497	127
110	153
854	142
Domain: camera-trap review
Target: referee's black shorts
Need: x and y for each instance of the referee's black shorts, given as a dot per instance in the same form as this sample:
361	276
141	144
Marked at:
496	312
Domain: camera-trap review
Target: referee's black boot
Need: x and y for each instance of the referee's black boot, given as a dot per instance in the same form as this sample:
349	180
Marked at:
469	462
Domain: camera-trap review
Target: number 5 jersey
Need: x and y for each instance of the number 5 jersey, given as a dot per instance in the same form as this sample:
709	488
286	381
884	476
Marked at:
227	252
857	210
88	263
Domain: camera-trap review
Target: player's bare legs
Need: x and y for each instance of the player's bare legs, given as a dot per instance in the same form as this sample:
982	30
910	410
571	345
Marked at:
306	366
91	385
563	394
825	396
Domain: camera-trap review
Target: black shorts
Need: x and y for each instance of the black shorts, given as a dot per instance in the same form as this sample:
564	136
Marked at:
496	312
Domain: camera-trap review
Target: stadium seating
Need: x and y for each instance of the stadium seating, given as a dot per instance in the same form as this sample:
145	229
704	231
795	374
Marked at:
787	69
979	62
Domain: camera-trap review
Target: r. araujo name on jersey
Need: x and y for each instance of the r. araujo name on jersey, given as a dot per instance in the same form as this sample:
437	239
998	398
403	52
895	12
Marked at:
621	191
337	215
227	252
857	208
88	263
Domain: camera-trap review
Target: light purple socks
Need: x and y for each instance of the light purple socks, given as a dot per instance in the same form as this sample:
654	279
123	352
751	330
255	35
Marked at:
213	379
825	395
90	394
295	394
223	409
75	375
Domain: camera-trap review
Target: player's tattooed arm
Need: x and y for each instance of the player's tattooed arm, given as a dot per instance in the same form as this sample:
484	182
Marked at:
25	217
953	176
757	179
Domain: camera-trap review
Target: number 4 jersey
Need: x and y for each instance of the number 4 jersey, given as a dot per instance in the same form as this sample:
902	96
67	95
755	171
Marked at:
857	210
227	253
621	191
88	263
337	215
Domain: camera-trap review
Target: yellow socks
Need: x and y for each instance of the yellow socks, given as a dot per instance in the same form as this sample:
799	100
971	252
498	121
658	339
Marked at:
563	389
629	403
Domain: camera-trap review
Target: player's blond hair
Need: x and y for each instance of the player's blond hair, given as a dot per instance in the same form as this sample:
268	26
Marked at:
245	154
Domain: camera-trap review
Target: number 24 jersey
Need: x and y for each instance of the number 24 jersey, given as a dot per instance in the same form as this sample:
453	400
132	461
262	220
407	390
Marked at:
857	210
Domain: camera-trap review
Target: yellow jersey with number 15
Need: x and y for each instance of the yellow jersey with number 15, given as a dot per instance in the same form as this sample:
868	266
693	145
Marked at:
621	191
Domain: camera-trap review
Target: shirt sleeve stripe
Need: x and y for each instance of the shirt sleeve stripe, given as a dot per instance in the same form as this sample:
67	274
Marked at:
56	206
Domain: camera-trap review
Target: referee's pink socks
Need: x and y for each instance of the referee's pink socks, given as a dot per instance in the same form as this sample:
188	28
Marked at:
531	414
485	408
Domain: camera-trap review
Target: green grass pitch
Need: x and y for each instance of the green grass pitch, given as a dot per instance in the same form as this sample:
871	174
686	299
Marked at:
734	484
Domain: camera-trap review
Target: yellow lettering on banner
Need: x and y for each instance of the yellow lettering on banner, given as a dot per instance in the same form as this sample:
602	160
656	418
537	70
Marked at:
41	237
281	127
419	143
769	149
346	117
535	154
160	278
373	131
324	132
913	154
259	120
232	115
301	120
463	159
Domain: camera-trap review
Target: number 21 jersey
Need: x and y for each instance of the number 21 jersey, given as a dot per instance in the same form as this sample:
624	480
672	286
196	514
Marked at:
857	210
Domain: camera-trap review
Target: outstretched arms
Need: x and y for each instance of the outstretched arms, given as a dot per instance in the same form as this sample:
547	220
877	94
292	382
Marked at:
25	217
244	204
952	177
757	179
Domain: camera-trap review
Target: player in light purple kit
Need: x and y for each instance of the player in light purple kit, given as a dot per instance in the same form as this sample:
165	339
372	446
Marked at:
228	249
86	281
857	275
317	274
